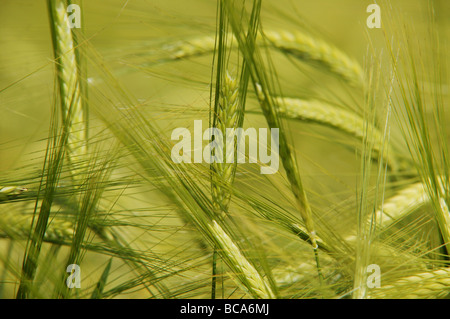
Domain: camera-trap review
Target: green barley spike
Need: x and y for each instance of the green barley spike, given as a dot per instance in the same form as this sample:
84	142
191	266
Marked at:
226	117
69	80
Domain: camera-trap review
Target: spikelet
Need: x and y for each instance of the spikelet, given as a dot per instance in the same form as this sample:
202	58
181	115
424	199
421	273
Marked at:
227	117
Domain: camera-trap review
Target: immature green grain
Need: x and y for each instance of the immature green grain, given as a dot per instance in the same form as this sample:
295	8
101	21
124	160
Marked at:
257	285
301	275
197	46
343	120
406	200
425	285
227	116
299	44
10	192
69	79
392	253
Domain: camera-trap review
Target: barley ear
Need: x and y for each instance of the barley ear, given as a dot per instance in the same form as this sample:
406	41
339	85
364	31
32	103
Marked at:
424	285
405	201
255	283
18	226
343	120
226	116
70	84
314	49
302	46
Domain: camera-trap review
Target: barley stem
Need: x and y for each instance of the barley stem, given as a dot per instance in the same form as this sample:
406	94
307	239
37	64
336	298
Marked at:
299	44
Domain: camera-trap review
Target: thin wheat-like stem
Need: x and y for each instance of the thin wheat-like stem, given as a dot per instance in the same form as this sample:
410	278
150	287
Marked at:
301	45
69	81
406	200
